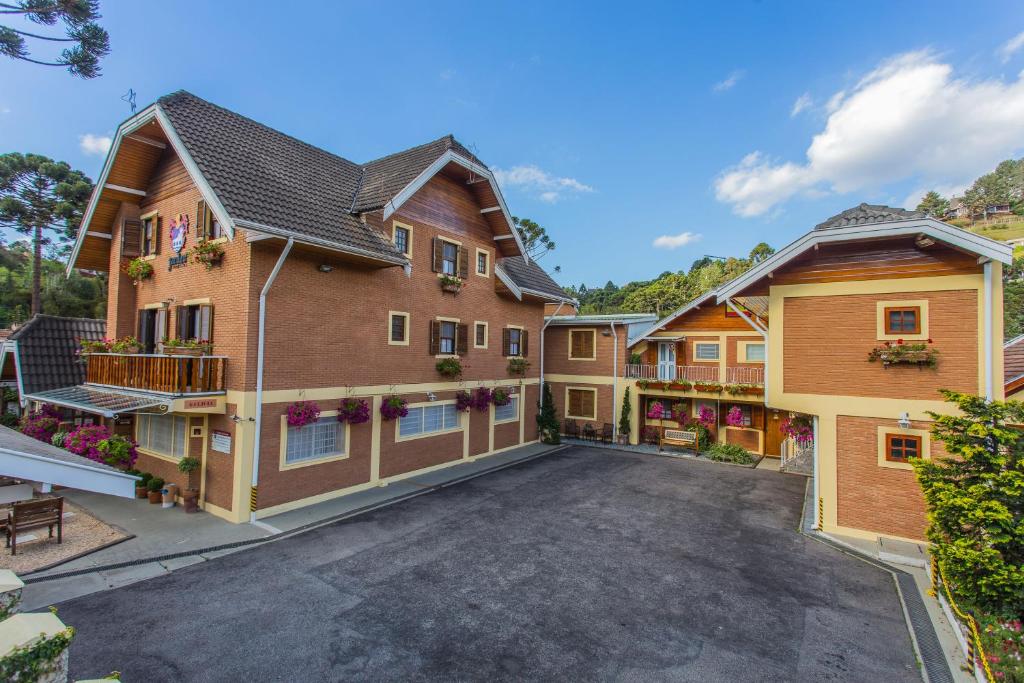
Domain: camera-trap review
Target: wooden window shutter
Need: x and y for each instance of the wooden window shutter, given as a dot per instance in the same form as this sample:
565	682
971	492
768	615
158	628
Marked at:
435	337
131	238
438	255
205	330
155	245
506	342
463	262
575	402
201	223
523	345
462	339
160	331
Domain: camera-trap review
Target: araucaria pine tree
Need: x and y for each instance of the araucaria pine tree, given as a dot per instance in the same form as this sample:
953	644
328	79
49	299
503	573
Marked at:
976	502
547	418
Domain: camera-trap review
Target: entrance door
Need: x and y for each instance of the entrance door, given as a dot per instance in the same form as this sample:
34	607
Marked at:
773	432
667	361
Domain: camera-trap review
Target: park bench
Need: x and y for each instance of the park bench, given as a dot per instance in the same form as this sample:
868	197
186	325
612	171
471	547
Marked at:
680	437
34	514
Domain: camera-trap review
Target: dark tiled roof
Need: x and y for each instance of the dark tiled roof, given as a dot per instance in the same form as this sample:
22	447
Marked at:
267	177
385	177
866	214
19	443
531	276
1013	359
47	347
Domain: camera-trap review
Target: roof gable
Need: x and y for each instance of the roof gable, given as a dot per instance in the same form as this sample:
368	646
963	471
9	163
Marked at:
47	351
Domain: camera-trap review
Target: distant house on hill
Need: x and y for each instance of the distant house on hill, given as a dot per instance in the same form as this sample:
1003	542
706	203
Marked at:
959	209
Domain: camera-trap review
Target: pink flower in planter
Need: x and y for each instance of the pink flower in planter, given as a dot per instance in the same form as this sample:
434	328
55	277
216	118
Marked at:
734	418
706	416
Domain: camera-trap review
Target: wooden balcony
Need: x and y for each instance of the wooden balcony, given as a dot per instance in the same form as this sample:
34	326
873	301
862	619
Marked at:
664	372
173	375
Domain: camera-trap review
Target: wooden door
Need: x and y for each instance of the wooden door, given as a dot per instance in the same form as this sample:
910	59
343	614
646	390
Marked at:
772	432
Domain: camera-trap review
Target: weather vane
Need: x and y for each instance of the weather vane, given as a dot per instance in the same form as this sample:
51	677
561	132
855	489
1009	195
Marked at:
129	97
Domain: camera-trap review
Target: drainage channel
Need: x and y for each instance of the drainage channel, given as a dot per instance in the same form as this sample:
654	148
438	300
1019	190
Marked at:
28	578
921	628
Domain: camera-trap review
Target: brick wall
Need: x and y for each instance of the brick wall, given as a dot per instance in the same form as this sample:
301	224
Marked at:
880	499
604	402
220	467
556	351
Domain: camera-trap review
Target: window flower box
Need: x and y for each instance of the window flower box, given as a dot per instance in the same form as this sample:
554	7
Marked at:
139	269
450	284
517	367
681	386
709	387
449	367
185	347
919	354
208	253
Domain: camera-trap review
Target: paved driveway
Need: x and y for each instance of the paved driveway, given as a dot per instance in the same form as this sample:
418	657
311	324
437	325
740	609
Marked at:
584	565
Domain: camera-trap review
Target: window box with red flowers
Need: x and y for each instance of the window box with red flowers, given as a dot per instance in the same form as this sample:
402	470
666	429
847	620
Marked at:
921	354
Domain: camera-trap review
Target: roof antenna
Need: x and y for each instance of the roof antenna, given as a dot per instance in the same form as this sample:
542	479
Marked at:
129	97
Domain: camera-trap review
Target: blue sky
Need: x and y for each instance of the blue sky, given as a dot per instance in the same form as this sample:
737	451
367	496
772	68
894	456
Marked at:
712	127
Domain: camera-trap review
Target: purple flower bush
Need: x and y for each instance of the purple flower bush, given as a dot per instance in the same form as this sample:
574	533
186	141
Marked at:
706	417
734	418
303	413
41	424
353	411
393	407
482	399
97	443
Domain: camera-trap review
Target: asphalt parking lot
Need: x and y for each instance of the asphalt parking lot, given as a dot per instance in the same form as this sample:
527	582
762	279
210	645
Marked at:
585	564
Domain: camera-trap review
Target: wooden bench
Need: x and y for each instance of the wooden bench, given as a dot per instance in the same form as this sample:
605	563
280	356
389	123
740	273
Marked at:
679	437
34	514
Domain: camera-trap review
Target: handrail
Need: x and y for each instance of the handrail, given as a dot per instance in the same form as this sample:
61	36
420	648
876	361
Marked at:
693	373
163	373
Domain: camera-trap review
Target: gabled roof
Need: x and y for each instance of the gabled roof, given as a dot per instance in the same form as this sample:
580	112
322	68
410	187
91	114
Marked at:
1013	359
886	226
683	310
530	278
868	214
47	351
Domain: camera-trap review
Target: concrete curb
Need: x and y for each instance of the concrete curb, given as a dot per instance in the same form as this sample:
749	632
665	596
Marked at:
30	578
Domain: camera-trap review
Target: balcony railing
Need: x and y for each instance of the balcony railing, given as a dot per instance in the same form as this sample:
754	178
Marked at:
175	375
665	372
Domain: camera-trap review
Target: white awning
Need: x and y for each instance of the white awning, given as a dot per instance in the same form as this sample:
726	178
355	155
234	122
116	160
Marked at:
105	402
22	457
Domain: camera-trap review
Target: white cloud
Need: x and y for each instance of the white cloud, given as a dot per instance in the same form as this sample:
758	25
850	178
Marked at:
731	80
447	74
676	241
1011	47
910	118
803	102
94	144
530	178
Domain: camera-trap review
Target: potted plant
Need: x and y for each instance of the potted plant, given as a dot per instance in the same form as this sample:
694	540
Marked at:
139	269
919	354
141	490
208	253
449	367
190	496
154	486
127	344
185	347
517	367
501	397
393	407
87	346
302	413
463	401
353	411
451	284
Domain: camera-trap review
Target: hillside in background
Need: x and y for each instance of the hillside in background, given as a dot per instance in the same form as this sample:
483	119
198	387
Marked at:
79	296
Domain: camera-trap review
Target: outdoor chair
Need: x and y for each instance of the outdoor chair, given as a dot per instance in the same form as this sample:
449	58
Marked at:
34	514
607	433
571	428
588	432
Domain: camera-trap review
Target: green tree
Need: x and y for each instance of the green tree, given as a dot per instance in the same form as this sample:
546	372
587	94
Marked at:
44	199
1013	297
78	17
535	238
625	419
761	252
547	417
933	204
976	502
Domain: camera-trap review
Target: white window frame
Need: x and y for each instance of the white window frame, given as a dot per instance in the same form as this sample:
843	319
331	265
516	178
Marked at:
746	352
513	401
344	431
425	434
696	352
145	443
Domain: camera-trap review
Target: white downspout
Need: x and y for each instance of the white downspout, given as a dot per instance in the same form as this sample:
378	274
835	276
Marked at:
544	327
615	384
989	388
259	374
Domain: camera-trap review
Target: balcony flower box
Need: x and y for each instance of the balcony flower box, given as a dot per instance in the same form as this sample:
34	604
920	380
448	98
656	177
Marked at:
680	386
921	354
177	347
450	284
709	387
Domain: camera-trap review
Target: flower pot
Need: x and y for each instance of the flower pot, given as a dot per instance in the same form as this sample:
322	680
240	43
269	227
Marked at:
190	498
451	288
154	497
169	493
195	352
141	492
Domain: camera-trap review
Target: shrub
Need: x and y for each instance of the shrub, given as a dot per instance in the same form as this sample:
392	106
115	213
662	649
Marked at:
41	424
706	417
208	253
58	439
703	433
96	443
303	413
9	420
144	478
650	435
975	502
729	452
625	418
154	484
547	418
188	464
353	411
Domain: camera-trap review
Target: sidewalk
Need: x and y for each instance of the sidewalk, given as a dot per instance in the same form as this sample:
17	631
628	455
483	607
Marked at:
159	532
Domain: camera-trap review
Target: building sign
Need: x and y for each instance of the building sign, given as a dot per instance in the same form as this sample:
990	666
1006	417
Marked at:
220	441
200	403
179	231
